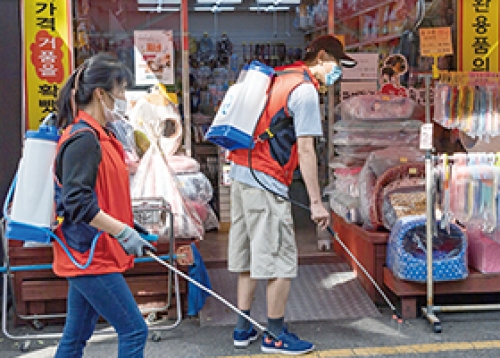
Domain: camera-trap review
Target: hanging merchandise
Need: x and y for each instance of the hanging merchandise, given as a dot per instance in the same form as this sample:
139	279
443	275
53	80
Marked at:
206	49
473	190
469	102
224	49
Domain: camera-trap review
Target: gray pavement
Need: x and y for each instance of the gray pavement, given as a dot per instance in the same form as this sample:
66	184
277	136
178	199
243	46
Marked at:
463	335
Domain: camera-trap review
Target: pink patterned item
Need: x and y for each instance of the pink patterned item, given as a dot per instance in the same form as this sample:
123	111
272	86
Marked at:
460	175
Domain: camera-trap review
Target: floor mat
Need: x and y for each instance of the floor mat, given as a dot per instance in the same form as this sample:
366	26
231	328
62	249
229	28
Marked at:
320	292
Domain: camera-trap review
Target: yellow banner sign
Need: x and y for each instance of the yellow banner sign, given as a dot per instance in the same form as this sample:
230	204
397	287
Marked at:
47	55
478	33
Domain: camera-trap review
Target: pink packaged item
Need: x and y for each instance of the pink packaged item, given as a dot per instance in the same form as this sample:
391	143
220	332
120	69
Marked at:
378	107
484	253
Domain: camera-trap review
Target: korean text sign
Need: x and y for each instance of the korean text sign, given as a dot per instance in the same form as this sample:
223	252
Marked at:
47	55
478	33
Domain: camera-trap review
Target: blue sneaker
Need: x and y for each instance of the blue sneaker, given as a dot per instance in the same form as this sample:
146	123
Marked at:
287	343
243	338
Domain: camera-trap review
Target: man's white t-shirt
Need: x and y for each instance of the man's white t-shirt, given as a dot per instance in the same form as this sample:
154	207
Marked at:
303	105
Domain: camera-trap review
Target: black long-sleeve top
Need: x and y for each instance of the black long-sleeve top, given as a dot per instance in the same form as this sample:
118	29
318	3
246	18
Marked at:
77	164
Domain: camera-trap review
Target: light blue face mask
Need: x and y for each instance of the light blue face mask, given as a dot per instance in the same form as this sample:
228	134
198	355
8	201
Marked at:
333	76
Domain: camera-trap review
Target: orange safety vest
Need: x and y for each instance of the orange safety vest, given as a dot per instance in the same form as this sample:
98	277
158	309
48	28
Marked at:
112	190
277	156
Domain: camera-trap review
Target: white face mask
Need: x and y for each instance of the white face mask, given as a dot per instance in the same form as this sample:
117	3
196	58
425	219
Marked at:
120	105
119	109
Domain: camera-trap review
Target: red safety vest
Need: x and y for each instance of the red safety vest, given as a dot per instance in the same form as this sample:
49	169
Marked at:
113	194
277	156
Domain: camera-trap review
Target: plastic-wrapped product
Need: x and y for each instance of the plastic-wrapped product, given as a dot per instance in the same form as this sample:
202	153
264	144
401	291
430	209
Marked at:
375	139
391	126
346	180
356	156
377	107
195	187
345	206
356	149
155	179
376	164
341	162
182	164
124	132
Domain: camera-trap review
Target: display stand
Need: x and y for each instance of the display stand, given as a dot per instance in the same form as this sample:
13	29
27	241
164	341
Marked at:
429	311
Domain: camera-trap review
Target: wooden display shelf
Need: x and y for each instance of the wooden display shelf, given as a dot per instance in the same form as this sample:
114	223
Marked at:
41	292
369	248
409	292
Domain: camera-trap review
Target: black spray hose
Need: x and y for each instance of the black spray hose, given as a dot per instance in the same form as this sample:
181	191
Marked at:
396	314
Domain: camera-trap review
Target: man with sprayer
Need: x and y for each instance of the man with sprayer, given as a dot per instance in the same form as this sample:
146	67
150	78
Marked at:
261	239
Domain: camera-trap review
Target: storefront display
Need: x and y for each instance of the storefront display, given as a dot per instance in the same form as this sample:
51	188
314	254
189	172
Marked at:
376	130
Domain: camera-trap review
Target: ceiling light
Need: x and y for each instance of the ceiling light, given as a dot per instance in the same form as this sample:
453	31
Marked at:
218	2
279	2
159	9
270	8
214	8
157	2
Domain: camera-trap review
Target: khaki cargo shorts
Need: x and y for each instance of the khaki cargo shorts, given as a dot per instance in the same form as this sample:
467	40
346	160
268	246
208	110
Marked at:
261	237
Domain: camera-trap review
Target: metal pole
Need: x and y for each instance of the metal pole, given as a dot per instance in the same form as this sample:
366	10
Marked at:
331	92
429	183
185	76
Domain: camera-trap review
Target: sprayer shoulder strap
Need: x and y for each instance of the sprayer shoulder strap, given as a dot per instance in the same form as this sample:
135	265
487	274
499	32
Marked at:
272	130
284	123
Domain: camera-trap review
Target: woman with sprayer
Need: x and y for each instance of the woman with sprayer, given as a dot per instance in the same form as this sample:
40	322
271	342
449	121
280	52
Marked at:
93	201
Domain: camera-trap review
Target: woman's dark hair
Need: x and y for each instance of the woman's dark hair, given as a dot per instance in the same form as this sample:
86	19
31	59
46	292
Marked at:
100	71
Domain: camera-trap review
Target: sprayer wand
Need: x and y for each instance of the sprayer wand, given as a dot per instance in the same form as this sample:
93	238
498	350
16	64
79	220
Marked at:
396	314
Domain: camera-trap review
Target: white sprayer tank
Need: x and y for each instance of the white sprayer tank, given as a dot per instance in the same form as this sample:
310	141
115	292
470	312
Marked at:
241	108
33	201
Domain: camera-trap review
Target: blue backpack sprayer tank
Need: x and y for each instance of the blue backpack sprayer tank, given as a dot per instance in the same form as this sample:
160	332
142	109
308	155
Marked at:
241	108
31	195
32	209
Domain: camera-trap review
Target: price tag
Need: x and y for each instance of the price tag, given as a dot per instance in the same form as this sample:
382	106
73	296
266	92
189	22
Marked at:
426	136
435	41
